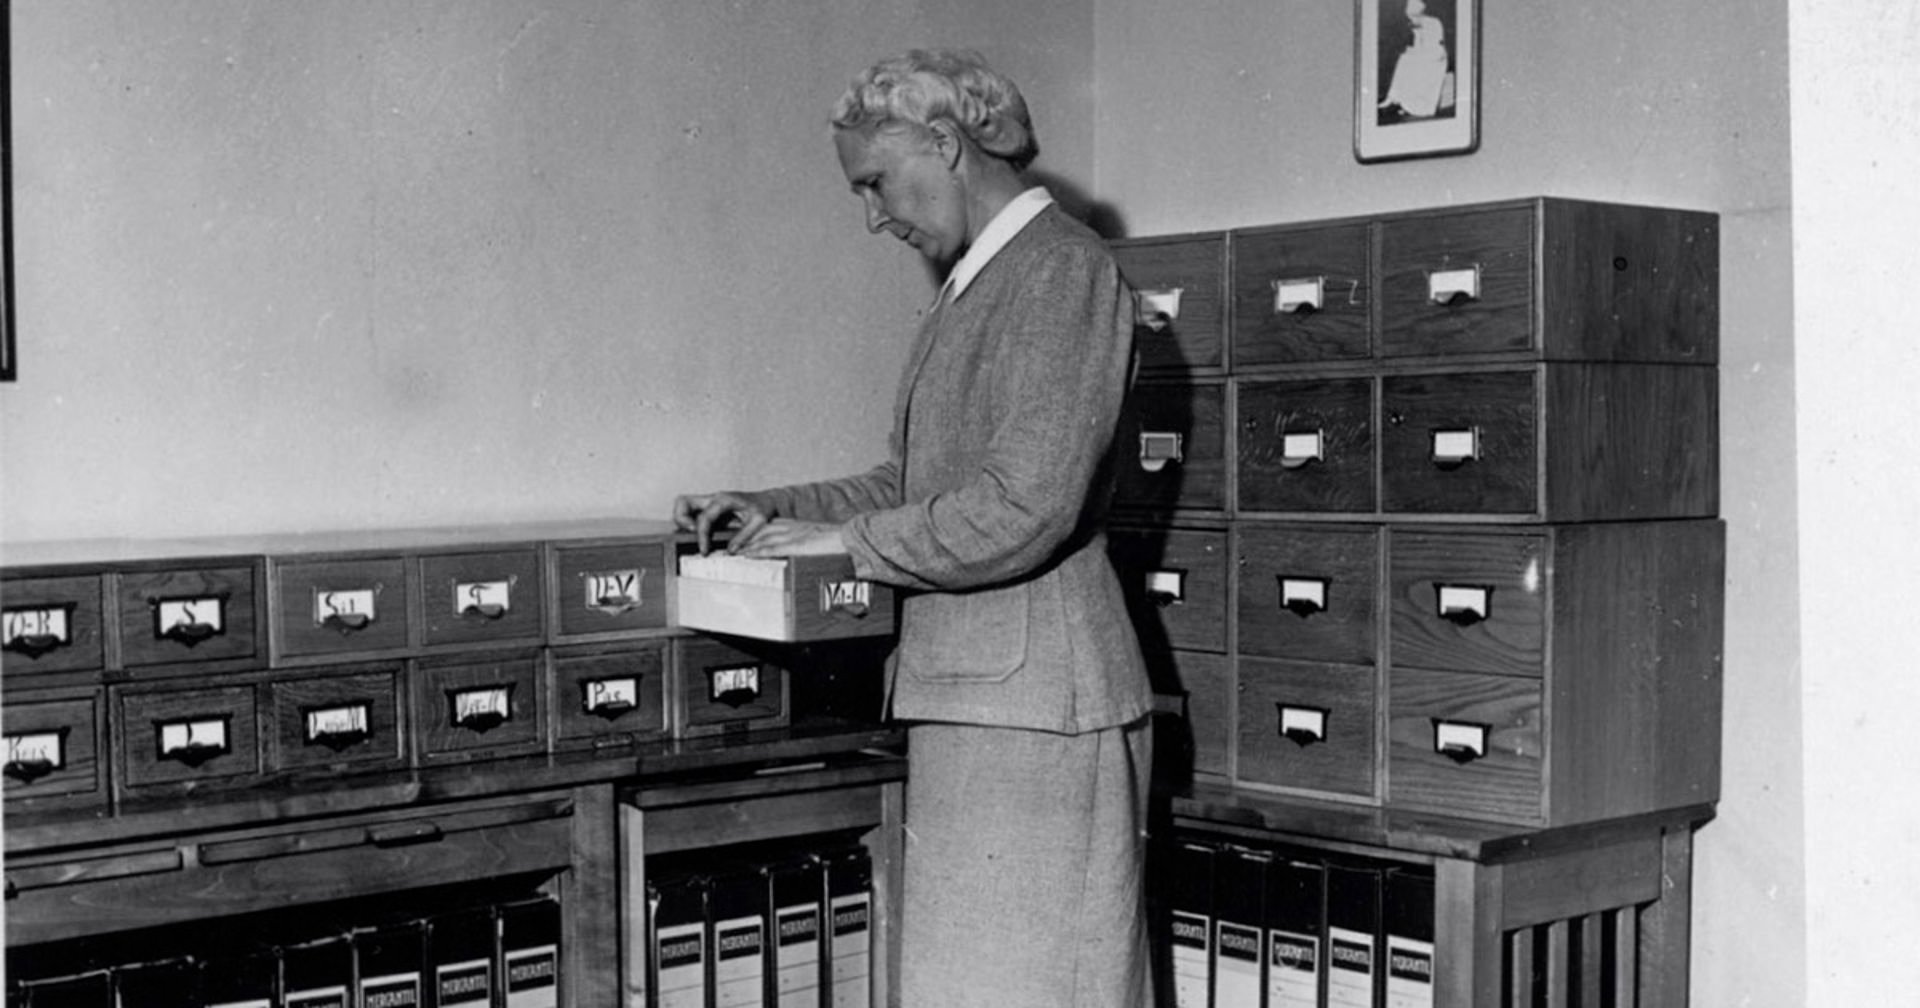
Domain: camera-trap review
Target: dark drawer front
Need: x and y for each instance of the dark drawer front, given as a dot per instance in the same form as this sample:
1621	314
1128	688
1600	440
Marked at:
1309	593
1457	284
478	709
723	688
1301	295
341	607
50	625
1178	316
610	589
1173	448
1200	687
612	697
53	752
469	597
187	615
1175	581
187	739
1306	445
1466	744
1308	727
1460	443
341	719
1463	601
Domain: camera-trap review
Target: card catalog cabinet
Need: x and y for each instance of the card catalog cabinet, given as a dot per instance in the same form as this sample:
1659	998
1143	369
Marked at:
328	737
1464	465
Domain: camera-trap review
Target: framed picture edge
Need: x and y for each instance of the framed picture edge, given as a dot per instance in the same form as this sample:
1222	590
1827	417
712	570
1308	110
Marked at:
1458	136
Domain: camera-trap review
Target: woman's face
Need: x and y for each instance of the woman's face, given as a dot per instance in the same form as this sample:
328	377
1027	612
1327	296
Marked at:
904	176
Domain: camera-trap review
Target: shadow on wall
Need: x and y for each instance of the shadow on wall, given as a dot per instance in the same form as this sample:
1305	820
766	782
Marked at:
1101	217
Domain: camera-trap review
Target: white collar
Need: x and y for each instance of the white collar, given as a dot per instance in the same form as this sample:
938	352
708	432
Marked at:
1012	218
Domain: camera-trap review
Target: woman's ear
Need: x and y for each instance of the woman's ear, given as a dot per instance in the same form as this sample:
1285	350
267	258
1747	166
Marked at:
947	141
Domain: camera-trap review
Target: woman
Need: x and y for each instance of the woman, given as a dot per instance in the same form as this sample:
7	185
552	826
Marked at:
1420	72
1017	669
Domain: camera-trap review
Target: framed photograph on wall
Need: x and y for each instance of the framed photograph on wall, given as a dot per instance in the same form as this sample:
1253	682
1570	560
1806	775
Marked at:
1416	89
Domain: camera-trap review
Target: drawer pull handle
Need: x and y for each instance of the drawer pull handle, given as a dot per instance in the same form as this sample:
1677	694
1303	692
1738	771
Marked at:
347	623
28	771
854	598
1157	448
34	645
1454	287
1167	587
486	612
1303	596
1302	447
481	710
1463	605
610	698
1156	310
733	685
488	600
345	611
337	728
404	834
1460	741
193	742
1302	296
189	622
1455	447
613	592
1303	726
36	631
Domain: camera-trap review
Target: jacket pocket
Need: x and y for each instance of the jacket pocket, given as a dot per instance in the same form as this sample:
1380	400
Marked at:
978	636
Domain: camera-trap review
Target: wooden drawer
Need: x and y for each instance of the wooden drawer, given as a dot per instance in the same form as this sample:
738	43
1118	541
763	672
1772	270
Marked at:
339	720
1172	451
1461	283
50	625
339	607
726	689
488	597
478	708
609	697
1466	744
607	590
1306	445
1301	294
181	741
1175	581
792	599
1178	295
1307	727
1468	601
1554	442
188	614
1199	686
1552	279
54	745
1309	592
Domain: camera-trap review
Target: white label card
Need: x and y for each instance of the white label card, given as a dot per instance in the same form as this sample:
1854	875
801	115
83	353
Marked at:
733	679
1458	599
1303	446
1446	286
619	589
1167	584
43	748
347	720
1450	736
190	736
478	703
483	596
353	604
1155	308
1310	720
49	624
610	694
1290	296
1303	591
196	612
1456	445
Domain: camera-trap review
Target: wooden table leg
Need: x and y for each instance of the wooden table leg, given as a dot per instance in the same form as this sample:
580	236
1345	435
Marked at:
1467	934
1665	925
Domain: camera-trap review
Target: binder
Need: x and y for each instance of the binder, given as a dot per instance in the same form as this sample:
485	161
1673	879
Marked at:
849	876
1296	908
530	953
677	944
172	983
737	933
1239	899
244	978
795	888
460	951
87	990
317	974
1407	920
389	963
1190	910
1353	935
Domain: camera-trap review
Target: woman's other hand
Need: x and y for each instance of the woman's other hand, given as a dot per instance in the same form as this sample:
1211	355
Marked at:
701	513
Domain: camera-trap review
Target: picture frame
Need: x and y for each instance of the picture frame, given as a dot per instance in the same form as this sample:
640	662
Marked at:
1416	86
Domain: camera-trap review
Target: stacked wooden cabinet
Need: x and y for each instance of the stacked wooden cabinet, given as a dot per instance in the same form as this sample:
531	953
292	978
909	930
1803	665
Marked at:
1417	513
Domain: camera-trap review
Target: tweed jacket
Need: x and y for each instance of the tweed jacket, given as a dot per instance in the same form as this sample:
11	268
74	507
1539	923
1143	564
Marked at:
990	507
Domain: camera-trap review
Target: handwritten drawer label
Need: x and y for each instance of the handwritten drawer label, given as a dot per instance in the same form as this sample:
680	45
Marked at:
483	708
491	599
853	597
46	750
613	592
610	696
345	609
329	723
193	741
733	684
35	631
189	620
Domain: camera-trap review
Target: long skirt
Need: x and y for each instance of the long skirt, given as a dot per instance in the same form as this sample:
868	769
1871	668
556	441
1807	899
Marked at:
1024	860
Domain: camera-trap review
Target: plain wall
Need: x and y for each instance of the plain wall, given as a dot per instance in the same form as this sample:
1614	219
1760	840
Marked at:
1856	153
1239	112
336	264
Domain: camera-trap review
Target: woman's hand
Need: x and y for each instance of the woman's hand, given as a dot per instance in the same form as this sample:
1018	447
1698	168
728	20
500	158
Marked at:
782	537
700	513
